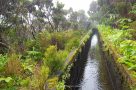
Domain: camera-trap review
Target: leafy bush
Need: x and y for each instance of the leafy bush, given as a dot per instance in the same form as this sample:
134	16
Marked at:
43	59
40	43
44	39
59	40
128	49
25	82
28	67
114	35
61	86
51	83
133	9
122	40
54	59
3	61
72	43
133	25
7	80
123	23
34	55
40	77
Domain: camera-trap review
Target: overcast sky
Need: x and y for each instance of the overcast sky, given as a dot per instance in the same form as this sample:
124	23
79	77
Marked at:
76	4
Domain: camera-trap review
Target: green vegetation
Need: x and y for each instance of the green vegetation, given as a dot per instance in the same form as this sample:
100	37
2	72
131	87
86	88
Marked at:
40	63
36	36
123	44
122	41
116	21
119	31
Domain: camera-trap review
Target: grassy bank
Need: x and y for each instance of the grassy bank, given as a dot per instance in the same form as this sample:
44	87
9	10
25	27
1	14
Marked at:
123	45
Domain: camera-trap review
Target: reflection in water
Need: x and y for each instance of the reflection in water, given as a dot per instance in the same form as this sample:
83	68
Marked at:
94	41
90	78
95	76
91	75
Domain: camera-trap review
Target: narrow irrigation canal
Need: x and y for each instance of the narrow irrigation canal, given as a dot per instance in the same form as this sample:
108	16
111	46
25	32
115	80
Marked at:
89	71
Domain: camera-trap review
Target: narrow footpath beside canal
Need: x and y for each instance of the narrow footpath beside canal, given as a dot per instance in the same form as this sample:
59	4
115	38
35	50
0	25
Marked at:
89	71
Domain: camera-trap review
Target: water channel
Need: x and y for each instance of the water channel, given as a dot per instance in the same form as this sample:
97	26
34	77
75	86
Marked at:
89	71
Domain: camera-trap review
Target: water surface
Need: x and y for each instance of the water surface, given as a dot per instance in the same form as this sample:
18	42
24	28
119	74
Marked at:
94	74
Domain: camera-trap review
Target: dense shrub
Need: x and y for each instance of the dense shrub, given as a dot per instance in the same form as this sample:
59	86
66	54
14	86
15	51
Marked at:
72	43
123	43
54	59
34	55
58	40
42	60
44	39
3	61
40	77
40	43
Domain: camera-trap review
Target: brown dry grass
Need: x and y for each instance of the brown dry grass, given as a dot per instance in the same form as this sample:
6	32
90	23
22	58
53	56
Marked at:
13	66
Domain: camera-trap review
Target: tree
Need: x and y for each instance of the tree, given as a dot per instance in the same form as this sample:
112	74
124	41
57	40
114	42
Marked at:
21	20
59	15
78	19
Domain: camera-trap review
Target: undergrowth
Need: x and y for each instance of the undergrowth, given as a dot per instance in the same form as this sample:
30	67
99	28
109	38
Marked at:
38	66
123	43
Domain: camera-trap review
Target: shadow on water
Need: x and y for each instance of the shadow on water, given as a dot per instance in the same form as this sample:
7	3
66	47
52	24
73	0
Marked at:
89	70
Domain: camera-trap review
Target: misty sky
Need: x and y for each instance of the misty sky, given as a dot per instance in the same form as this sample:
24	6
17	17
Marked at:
76	4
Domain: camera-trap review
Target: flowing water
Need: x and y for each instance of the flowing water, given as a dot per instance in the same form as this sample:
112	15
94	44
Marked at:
90	74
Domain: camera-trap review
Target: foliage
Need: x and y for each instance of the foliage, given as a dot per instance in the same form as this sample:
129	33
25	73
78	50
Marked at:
133	25
55	59
114	35
18	28
128	49
73	43
7	80
51	83
119	39
3	61
122	40
61	85
123	23
43	40
34	55
39	78
25	82
58	40
38	39
66	75
28	67
43	59
133	9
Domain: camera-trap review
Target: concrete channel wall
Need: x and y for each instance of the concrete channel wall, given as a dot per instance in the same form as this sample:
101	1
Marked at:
79	59
74	53
71	58
119	75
